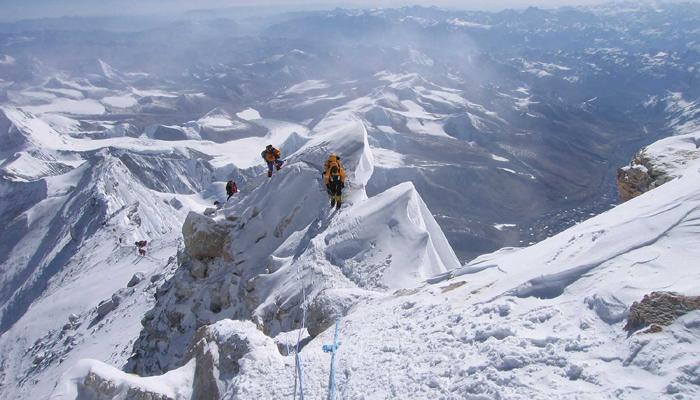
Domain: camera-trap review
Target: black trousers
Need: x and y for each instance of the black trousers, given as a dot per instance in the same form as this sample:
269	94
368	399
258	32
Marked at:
335	190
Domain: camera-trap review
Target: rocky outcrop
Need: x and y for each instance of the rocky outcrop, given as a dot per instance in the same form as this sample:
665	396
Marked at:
218	349
632	181
10	135
204	237
657	164
94	380
209	368
136	279
201	293
332	304
659	309
98	387
107	306
638	177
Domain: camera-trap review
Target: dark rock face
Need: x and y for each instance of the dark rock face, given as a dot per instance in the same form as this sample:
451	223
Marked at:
136	279
659	309
640	176
217	350
632	181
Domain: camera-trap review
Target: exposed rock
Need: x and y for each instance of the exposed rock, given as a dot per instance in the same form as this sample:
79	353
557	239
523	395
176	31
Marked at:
632	181
204	237
103	388
217	349
163	132
657	164
209	211
198	269
201	293
330	305
220	298
175	203
659	309
106	306
122	294
136	279
642	175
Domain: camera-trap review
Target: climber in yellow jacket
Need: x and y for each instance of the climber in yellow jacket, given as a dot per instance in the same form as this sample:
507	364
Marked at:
272	156
334	179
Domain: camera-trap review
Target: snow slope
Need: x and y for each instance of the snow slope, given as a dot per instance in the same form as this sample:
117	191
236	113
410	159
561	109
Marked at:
71	209
90	218
272	244
539	322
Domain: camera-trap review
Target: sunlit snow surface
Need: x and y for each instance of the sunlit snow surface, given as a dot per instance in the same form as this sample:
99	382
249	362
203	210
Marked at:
538	322
92	164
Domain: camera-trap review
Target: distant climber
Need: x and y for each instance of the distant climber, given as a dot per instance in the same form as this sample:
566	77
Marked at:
272	156
141	246
231	189
334	179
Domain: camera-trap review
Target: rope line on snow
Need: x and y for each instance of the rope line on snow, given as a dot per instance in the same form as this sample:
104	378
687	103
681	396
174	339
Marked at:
332	348
298	369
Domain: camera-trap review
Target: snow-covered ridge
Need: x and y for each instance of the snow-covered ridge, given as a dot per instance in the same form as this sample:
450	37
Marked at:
540	322
657	164
473	130
283	237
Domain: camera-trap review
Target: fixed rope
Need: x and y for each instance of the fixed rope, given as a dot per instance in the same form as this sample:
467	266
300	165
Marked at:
332	348
298	369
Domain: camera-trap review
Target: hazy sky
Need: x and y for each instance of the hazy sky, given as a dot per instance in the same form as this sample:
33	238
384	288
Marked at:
18	9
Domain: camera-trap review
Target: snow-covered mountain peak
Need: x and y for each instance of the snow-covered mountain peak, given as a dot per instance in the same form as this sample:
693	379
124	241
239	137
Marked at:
121	252
504	323
281	247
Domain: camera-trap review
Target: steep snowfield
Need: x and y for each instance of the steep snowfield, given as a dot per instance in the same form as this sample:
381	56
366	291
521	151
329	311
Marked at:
277	264
90	219
539	322
71	210
283	244
93	198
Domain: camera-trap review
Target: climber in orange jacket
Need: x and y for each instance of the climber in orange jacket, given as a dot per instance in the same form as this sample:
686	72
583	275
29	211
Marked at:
272	156
334	179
